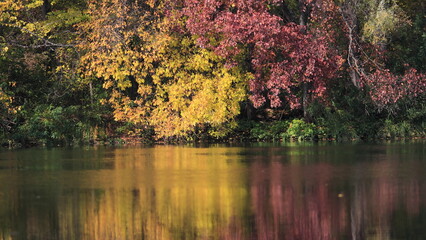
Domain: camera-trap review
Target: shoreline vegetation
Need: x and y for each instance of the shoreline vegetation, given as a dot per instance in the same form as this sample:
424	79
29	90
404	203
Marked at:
84	72
247	131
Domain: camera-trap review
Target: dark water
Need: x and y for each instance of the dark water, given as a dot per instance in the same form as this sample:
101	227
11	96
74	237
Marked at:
297	192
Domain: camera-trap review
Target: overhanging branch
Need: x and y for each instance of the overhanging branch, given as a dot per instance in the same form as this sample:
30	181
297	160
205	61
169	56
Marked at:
45	42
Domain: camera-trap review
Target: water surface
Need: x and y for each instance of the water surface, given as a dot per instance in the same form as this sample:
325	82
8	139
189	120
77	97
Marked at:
265	192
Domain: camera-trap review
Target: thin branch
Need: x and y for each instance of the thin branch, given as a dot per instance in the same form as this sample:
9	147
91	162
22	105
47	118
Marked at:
40	45
46	43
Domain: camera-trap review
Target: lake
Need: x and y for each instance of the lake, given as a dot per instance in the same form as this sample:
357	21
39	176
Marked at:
292	191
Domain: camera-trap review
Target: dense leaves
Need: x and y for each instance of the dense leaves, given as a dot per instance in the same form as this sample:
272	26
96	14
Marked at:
283	56
193	88
95	69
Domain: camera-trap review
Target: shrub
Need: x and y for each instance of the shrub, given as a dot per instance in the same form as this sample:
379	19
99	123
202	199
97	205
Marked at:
301	130
52	125
391	130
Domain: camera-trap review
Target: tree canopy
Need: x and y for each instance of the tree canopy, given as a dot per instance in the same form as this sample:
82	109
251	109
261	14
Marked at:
183	67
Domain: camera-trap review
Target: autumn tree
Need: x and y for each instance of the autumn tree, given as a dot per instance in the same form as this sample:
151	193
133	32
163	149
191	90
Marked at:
369	26
7	110
39	63
186	67
290	60
194	88
157	76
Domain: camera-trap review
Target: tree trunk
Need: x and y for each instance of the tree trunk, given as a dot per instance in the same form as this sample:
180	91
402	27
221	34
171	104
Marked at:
305	102
303	20
47	7
91	93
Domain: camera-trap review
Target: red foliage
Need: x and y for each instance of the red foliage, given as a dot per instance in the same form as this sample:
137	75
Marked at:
387	88
283	56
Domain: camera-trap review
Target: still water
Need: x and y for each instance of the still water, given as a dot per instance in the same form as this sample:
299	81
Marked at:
265	192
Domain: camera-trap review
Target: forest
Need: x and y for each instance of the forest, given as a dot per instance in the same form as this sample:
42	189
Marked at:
116	71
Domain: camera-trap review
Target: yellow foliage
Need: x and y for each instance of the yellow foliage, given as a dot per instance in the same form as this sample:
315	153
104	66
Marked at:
157	78
9	10
34	4
382	20
197	90
6	103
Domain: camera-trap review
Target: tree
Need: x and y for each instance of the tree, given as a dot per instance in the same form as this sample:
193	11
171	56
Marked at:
369	27
288	59
158	77
194	88
39	66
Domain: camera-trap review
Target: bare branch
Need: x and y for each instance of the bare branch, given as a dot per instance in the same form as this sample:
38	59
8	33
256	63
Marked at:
46	43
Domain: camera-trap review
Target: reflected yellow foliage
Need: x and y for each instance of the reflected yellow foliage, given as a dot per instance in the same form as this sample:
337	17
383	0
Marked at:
172	192
156	194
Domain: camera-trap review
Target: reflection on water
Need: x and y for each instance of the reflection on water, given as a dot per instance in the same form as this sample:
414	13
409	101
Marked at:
252	192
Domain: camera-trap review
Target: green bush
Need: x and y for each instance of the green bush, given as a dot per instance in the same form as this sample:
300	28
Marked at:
264	131
260	132
278	128
337	125
301	130
391	130
48	124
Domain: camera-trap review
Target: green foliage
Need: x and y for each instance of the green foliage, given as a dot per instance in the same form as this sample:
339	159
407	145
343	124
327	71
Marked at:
278	128
282	130
409	122
408	46
391	130
383	20
261	131
52	125
86	71
337	125
299	129
416	116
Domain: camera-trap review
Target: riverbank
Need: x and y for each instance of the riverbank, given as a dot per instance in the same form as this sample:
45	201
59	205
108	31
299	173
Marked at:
295	130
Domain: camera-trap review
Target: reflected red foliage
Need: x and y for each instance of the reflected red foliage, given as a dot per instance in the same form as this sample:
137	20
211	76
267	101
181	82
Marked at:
295	202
